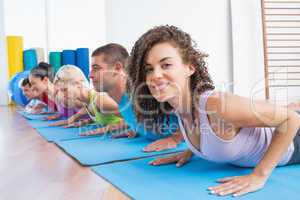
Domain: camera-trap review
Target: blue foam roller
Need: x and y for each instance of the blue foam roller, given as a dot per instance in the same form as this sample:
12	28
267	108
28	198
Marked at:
29	59
82	60
69	57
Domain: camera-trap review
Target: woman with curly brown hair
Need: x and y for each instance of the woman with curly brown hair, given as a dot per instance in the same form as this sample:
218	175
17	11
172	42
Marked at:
168	74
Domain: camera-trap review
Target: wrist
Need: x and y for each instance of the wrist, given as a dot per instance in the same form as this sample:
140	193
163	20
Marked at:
71	119
176	138
261	173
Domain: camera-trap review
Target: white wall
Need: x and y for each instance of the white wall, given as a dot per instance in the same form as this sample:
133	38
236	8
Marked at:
27	19
228	30
248	65
57	24
51	24
76	23
208	22
3	59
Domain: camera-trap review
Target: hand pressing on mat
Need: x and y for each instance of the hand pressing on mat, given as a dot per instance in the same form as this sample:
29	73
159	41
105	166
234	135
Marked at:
180	159
165	143
59	123
129	134
98	131
239	185
52	117
110	127
79	123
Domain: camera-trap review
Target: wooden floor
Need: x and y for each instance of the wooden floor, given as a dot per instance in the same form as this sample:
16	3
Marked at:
31	168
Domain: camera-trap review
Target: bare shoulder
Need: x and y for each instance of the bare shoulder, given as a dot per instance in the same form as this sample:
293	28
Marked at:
103	96
216	102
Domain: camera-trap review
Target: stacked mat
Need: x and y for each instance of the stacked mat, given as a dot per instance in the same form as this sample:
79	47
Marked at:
33	56
14	54
78	57
123	163
19	60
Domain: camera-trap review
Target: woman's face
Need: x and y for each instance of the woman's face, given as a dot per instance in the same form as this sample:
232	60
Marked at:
38	85
166	74
68	92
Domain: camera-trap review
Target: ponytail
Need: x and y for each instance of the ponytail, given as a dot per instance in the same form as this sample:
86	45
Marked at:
43	70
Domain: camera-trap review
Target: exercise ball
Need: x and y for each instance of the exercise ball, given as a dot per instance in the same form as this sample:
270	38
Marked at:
14	88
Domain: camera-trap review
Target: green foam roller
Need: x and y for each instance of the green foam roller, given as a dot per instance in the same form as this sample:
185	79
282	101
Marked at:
55	60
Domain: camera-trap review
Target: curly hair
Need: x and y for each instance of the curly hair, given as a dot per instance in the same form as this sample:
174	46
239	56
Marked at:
200	81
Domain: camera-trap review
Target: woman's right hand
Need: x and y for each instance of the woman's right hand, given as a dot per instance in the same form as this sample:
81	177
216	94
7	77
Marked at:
180	159
78	124
59	123
170	142
65	122
52	117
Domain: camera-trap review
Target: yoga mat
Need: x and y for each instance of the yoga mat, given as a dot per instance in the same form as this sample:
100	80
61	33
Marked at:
69	57
29	59
82	60
94	151
14	54
40	123
55	60
34	116
40	54
192	180
36	120
52	134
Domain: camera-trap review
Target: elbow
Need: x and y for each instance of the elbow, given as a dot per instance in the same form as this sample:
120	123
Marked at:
296	118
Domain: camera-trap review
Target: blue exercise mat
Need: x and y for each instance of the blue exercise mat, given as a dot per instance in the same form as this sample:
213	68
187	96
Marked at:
40	123
192	180
34	116
94	151
57	133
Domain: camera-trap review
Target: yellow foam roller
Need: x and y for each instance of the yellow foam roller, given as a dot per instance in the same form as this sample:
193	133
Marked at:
14	54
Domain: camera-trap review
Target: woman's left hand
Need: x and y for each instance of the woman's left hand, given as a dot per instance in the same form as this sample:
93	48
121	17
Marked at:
52	117
98	131
129	134
238	185
162	144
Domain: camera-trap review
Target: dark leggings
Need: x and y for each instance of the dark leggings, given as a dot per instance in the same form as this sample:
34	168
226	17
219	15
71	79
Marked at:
295	159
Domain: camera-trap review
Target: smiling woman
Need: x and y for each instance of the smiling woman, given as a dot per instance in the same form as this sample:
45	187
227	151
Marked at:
162	72
259	135
40	79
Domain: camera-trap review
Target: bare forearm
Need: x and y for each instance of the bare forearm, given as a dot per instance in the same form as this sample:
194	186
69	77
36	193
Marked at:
76	116
281	140
177	136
